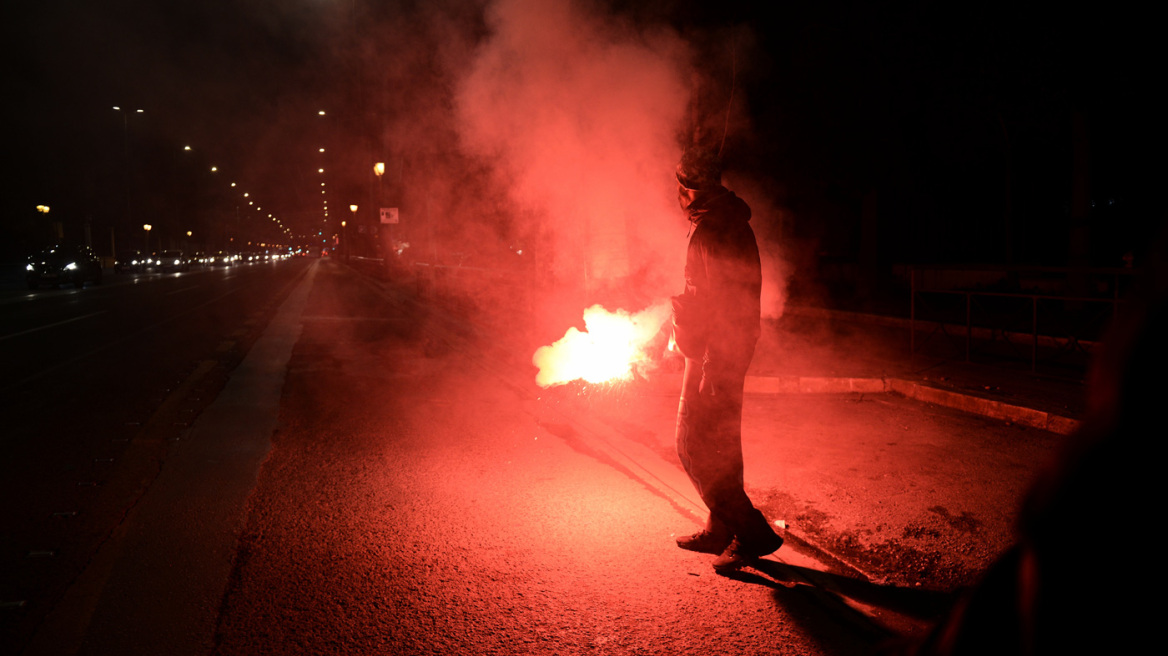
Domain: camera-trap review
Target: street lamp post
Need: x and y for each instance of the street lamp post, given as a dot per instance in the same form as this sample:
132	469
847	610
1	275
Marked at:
379	170
345	232
147	227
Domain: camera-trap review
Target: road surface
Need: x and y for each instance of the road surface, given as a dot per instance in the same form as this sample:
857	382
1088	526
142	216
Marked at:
340	465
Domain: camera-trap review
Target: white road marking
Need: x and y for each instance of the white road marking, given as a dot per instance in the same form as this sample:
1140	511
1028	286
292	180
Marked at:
52	325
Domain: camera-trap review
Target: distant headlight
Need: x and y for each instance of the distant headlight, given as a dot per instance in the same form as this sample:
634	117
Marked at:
29	267
72	266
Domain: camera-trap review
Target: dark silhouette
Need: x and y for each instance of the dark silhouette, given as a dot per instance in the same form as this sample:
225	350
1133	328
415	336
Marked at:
716	327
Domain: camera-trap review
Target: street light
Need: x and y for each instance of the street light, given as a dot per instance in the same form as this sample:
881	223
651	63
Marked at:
147	227
345	236
379	170
55	227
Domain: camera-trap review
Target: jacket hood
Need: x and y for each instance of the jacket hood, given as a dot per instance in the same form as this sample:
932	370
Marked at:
719	204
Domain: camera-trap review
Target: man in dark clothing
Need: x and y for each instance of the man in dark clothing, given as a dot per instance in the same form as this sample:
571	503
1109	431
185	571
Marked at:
716	326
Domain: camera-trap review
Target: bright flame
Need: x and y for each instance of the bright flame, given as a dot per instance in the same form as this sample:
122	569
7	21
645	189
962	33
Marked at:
609	349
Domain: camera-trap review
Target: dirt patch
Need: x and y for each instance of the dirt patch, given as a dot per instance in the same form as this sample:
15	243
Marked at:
927	554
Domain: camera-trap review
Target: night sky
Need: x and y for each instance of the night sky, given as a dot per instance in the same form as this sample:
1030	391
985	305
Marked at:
957	129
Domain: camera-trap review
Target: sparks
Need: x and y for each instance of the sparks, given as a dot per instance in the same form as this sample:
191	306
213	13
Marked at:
610	348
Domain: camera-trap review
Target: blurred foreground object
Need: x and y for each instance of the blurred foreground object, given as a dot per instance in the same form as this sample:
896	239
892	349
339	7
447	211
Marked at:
1078	578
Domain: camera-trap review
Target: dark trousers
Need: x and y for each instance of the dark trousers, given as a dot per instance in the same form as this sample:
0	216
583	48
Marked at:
709	443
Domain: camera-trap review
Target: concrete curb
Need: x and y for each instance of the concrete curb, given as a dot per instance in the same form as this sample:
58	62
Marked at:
914	390
918	391
986	407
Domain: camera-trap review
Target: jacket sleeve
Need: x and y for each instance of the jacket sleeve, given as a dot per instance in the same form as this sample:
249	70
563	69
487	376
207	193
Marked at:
691	320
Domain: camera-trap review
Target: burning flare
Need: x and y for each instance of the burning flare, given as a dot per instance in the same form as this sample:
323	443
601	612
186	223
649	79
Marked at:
610	348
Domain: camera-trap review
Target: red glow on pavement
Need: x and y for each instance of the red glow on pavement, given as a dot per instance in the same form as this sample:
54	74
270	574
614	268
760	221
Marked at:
611	347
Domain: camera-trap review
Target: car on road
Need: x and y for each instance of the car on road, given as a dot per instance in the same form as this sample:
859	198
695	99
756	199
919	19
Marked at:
63	264
130	262
173	261
220	258
149	262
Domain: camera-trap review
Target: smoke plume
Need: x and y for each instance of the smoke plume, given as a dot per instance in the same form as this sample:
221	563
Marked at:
580	113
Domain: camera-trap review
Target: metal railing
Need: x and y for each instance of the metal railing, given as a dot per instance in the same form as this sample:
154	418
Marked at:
1065	308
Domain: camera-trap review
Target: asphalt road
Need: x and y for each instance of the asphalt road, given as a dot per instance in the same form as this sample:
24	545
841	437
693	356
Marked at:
414	504
98	384
297	459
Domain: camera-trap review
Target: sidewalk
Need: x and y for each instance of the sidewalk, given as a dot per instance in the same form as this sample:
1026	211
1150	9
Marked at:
820	351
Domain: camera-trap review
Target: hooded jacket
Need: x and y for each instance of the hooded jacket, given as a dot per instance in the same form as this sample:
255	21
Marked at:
717	318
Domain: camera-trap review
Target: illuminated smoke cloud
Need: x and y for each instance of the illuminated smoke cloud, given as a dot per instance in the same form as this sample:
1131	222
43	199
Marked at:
581	112
580	115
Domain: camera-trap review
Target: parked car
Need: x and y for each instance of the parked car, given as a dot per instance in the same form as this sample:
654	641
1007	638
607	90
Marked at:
63	264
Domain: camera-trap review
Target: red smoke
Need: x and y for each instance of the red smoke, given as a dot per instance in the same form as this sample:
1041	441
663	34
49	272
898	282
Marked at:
581	113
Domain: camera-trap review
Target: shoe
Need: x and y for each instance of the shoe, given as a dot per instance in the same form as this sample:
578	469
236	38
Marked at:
737	555
766	545
705	542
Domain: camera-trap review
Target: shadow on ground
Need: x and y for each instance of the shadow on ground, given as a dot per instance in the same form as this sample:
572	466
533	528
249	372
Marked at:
891	617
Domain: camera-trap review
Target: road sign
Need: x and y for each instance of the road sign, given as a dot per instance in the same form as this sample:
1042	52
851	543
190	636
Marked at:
389	215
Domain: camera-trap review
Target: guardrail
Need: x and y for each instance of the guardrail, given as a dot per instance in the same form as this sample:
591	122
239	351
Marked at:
1063	308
